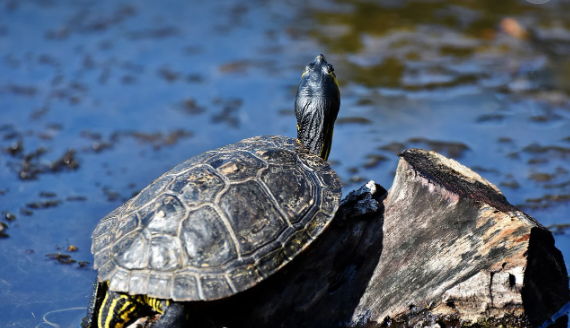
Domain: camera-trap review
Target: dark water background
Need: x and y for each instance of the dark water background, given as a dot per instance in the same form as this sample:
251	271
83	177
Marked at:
98	98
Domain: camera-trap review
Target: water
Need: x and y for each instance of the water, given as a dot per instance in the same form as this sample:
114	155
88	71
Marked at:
134	88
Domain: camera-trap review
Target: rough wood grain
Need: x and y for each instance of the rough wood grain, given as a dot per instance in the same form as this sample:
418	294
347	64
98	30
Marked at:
442	247
451	240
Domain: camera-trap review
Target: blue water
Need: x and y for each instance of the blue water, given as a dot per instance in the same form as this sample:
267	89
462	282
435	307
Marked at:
136	88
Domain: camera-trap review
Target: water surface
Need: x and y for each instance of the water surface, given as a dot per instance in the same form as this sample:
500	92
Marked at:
98	98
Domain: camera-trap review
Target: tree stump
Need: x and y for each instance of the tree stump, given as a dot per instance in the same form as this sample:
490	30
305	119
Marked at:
454	244
442	247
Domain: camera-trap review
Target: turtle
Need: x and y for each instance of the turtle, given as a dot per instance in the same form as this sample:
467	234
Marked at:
222	221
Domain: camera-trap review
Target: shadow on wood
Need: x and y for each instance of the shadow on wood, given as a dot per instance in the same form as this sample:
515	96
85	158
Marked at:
322	286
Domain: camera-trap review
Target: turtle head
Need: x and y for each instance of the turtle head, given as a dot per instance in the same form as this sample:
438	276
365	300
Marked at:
316	107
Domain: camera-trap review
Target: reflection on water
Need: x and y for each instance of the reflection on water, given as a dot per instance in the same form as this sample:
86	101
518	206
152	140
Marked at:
98	99
61	318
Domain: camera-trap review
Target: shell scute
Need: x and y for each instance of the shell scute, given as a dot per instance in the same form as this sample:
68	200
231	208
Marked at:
149	193
198	185
318	223
206	240
125	225
270	262
165	255
131	251
236	166
296	243
159	284
165	217
291	188
214	287
185	286
276	156
252	215
138	283
244	277
189	163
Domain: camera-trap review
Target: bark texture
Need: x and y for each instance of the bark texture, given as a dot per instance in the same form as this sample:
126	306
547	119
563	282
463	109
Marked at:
442	247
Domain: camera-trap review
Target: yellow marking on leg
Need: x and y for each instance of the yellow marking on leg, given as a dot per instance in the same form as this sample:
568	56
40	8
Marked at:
118	309
100	316
112	311
127	311
155	303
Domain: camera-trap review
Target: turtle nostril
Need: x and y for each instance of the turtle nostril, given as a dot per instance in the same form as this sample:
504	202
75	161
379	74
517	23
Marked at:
320	58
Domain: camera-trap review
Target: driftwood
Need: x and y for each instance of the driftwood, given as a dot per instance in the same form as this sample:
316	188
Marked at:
442	248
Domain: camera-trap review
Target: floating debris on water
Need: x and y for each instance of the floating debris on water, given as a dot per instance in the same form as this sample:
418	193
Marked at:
352	170
169	75
15	148
43	204
8	216
506	140
451	149
228	114
558	151
3	228
481	169
490	118
394	147
352	120
286	112
545	201
67	161
25	211
157	33
47	194
83	264
373	160
559	229
76	198
510	184
191	107
61	258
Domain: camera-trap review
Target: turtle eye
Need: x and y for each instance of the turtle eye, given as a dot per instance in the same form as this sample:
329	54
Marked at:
328	68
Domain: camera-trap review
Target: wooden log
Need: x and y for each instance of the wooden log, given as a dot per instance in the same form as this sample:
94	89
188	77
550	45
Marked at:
454	244
442	247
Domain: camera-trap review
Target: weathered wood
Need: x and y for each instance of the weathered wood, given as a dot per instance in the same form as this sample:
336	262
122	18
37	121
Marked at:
442	246
451	240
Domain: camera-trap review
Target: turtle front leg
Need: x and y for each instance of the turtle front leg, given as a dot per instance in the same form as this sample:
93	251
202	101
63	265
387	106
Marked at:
117	310
174	315
108	309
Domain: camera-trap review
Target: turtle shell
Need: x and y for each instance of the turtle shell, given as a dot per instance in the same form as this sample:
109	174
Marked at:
219	222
